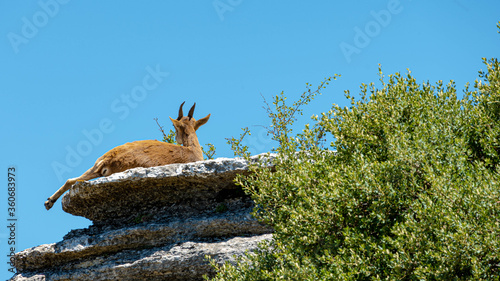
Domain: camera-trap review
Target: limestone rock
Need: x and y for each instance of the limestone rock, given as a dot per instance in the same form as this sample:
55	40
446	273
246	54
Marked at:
176	188
216	227
184	261
152	224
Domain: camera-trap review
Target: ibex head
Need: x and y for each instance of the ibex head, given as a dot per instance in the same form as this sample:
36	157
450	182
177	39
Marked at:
186	125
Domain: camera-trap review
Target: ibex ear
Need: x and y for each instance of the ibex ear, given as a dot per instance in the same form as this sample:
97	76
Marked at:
200	122
175	122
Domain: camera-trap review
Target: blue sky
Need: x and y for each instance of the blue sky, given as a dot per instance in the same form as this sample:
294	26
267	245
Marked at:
85	76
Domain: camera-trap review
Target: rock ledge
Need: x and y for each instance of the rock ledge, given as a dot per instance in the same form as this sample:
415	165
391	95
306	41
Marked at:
152	223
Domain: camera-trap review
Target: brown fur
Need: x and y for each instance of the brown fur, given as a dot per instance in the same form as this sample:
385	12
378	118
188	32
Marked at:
145	153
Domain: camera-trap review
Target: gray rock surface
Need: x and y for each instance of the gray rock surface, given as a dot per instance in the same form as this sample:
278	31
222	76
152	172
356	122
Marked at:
183	261
219	226
151	224
177	188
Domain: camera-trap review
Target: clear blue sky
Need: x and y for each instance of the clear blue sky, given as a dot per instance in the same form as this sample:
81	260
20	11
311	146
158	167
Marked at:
86	76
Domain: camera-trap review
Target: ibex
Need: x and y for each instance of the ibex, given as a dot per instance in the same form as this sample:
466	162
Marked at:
146	153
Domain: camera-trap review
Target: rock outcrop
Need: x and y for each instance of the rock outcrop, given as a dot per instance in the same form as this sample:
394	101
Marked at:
155	223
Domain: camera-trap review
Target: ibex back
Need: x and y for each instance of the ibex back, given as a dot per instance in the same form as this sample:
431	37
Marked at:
146	153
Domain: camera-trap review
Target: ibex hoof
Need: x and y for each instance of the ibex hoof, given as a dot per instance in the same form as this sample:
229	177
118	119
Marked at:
48	204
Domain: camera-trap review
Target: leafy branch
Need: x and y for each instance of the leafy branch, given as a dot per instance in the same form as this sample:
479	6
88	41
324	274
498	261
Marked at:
282	118
170	138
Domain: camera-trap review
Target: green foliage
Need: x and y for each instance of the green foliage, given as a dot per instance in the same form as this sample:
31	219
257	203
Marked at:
209	152
285	115
237	144
221	208
411	193
170	138
282	119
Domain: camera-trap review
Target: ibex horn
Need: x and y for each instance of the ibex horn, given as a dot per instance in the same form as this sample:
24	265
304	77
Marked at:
191	111
180	112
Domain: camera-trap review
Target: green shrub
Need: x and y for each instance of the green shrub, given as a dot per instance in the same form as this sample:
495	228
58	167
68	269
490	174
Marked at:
411	193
